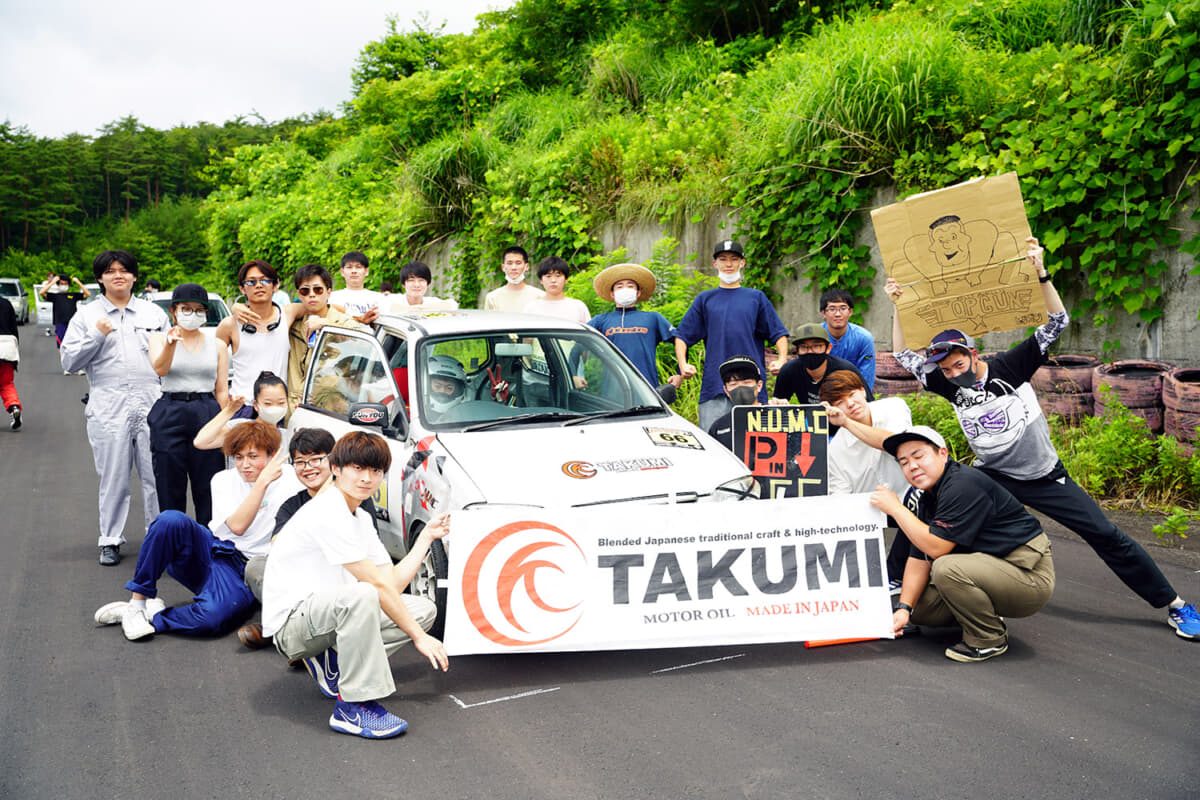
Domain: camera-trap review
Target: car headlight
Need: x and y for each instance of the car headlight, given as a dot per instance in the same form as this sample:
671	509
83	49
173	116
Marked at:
743	488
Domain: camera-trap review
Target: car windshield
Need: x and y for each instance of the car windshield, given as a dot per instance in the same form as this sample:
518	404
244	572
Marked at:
216	311
8	289
496	380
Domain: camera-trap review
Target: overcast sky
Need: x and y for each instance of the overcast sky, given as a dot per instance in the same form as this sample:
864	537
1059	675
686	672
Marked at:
74	65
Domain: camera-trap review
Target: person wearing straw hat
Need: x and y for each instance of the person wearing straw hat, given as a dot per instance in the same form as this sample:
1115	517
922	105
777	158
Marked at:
634	332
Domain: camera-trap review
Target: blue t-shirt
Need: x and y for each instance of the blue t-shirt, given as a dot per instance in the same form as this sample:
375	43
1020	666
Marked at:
857	346
637	334
730	322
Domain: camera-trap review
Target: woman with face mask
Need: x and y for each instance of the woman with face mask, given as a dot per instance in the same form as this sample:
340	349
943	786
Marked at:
270	405
195	384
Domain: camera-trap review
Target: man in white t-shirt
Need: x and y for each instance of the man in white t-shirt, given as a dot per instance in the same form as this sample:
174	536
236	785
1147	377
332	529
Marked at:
361	303
332	597
210	561
515	294
858	463
553	273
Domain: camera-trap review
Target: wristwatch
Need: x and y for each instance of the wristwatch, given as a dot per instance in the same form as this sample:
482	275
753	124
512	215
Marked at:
904	607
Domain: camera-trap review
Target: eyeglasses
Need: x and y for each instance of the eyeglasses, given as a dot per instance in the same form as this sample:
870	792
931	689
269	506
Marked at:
306	463
316	291
941	347
258	282
832	309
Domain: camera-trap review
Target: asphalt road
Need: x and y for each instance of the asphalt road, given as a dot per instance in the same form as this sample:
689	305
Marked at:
1095	698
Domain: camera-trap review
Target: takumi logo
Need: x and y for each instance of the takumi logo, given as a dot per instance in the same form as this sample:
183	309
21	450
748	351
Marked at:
579	469
521	586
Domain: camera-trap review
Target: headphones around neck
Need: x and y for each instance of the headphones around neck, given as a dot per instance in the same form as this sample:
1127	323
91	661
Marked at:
250	328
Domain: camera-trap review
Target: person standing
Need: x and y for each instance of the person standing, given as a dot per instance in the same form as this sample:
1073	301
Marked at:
10	355
360	302
731	319
515	294
634	332
1004	425
415	277
110	339
63	302
848	341
313	312
194	372
553	273
258	336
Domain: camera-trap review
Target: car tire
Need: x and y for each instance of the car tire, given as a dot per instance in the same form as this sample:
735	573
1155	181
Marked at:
433	571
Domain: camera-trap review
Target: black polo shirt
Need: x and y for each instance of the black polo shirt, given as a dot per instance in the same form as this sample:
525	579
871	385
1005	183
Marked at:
968	508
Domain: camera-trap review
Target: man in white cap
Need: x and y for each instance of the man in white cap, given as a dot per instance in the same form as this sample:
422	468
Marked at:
730	320
978	556
634	332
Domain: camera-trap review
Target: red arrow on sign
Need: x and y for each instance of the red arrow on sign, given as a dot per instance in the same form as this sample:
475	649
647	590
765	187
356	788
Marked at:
803	460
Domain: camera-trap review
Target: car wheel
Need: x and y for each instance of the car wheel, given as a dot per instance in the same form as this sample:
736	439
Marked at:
433	570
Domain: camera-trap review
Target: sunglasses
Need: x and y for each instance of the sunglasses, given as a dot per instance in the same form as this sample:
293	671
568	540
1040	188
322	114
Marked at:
258	282
317	291
941	347
249	327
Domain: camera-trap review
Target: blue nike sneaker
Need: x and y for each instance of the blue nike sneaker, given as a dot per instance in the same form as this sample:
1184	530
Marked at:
368	720
324	669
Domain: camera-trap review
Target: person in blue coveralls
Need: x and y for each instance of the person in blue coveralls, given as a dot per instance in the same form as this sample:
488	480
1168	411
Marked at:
730	320
634	332
210	561
109	338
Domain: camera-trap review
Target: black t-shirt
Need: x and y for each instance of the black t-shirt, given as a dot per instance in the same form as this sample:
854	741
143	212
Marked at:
722	430
64	305
979	515
794	381
294	503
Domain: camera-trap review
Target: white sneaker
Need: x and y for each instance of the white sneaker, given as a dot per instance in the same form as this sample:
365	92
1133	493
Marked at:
136	624
111	614
153	606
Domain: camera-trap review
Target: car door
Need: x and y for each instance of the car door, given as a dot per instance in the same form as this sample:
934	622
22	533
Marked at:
350	367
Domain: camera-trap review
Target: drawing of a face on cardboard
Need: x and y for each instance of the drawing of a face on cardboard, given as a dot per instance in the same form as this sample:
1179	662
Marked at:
949	242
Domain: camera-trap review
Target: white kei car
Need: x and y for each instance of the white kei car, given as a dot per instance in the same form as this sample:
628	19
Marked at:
552	415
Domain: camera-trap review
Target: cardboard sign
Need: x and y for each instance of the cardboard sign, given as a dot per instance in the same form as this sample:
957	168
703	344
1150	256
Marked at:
785	447
626	576
959	253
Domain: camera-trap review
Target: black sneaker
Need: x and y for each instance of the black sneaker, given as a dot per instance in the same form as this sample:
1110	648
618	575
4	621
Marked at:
965	653
110	555
16	418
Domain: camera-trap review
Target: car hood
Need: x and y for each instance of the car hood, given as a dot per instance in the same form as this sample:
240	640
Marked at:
592	463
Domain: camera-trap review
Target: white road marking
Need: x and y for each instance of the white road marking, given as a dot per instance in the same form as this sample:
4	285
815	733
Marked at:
461	704
697	663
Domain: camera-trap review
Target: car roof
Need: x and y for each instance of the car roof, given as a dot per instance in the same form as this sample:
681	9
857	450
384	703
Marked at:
437	323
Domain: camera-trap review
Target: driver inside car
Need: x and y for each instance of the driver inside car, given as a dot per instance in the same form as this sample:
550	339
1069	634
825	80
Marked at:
447	384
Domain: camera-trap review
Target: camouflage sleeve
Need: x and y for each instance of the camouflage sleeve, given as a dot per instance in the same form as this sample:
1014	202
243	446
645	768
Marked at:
1048	333
913	362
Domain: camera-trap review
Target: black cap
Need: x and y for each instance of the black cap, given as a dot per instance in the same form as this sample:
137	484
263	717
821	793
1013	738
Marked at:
740	368
729	246
189	293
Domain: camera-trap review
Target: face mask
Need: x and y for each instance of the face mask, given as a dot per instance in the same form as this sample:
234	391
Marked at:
272	414
625	297
190	320
519	279
730	278
743	395
966	380
812	360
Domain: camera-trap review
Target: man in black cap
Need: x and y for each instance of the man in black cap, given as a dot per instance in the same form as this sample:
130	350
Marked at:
730	319
977	553
742	382
1006	429
800	379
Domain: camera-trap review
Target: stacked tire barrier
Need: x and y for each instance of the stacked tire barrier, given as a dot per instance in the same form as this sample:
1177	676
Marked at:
1137	384
891	379
1064	387
1181	401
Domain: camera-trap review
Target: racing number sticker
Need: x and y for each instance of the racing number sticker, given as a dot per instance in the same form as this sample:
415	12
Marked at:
672	437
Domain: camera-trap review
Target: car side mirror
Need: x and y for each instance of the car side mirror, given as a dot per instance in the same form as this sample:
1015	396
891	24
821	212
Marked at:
668	393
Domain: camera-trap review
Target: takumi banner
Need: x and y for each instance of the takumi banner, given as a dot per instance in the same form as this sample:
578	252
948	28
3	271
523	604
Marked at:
630	577
785	447
959	253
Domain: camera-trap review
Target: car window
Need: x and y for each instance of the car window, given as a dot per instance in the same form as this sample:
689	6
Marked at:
469	379
348	370
8	289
